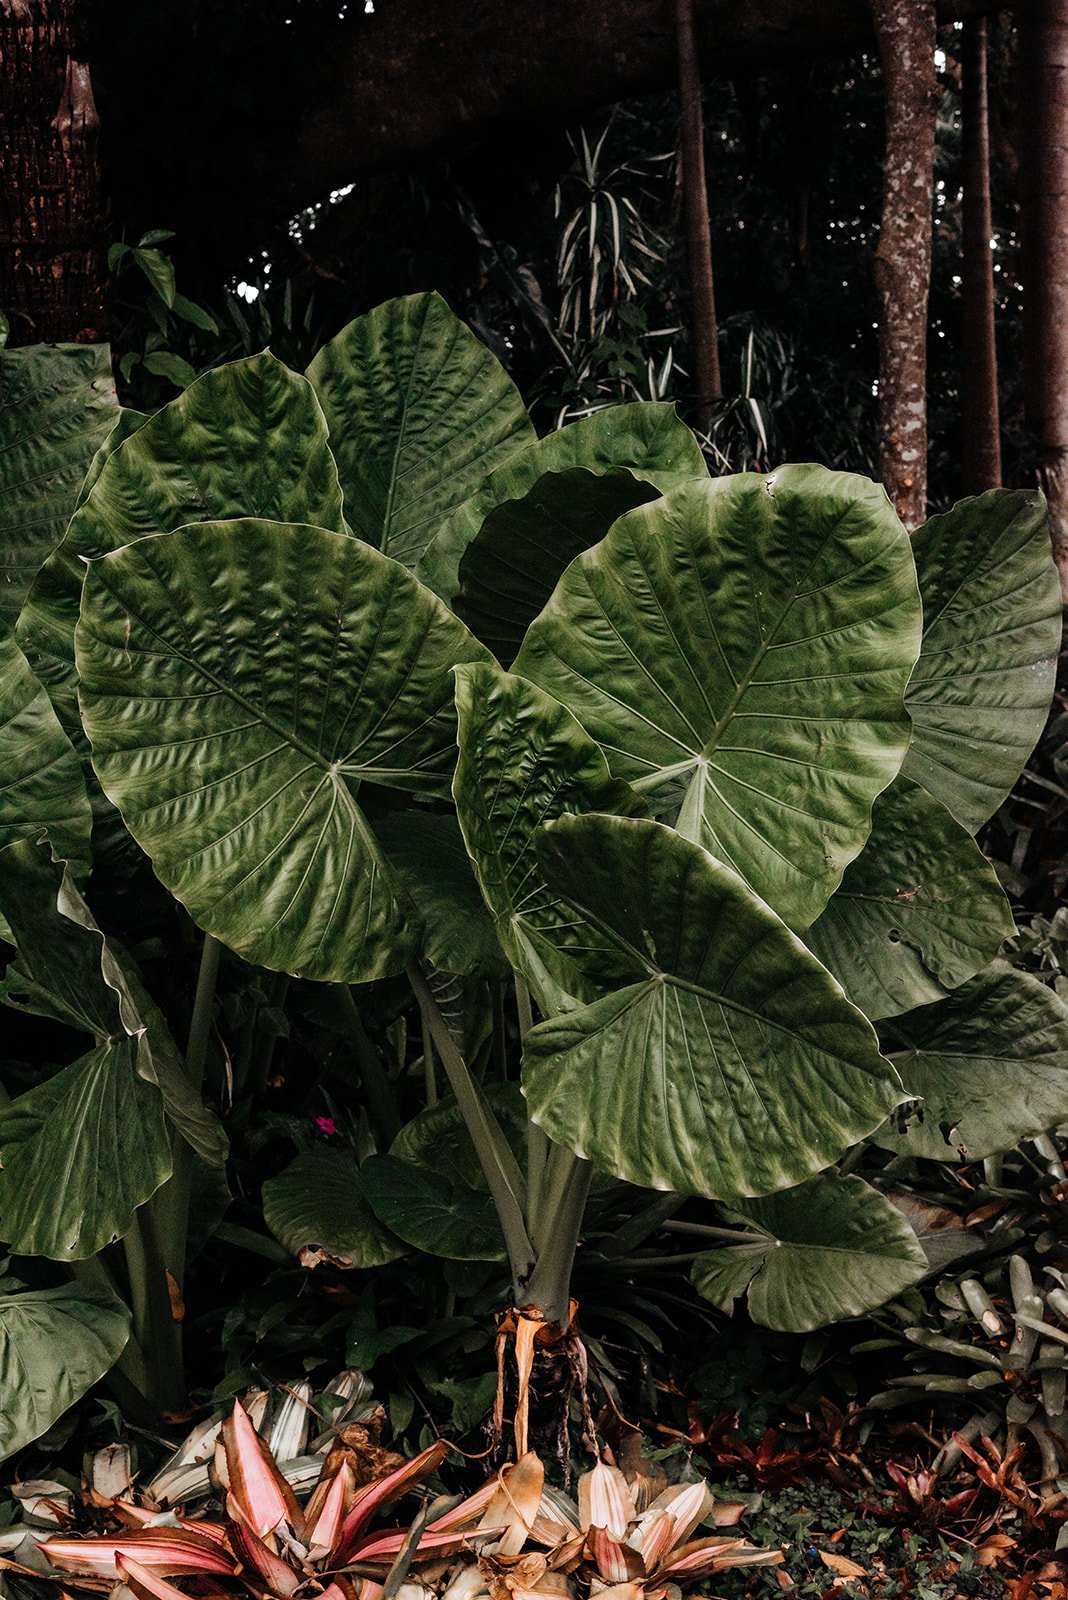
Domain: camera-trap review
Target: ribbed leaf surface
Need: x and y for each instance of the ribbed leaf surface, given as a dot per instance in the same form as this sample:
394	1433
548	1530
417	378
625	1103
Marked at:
992	629
41	783
54	1345
238	682
524	759
317	1210
740	649
643	443
246	440
832	1248
990	1064
79	1154
419	412
732	1064
57	406
918	912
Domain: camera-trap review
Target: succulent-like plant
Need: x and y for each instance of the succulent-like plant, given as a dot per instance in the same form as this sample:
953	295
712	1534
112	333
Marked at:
514	1536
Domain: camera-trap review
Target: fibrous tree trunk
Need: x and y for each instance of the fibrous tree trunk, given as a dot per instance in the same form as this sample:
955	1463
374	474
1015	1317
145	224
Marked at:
906	35
981	417
698	227
52	266
1044	216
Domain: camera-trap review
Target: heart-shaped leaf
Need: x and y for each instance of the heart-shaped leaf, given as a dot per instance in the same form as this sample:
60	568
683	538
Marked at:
79	1154
509	571
917	913
419	412
239	681
246	440
54	1345
740	649
41	783
990	1064
437	1139
431	1211
643	442
732	1063
992	628
318	1211
426	854
832	1248
67	969
524	759
57	405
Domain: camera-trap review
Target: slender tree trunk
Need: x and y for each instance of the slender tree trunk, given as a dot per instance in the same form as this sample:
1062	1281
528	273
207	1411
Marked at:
981	415
906	34
52	268
698	230
1044	193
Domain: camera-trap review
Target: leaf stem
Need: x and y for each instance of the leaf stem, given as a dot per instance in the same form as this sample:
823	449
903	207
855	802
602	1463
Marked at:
430	1078
549	1285
538	1143
196	1051
729	1235
491	1147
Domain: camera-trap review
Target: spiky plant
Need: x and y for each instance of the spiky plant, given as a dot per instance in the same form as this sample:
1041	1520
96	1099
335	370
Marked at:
514	1537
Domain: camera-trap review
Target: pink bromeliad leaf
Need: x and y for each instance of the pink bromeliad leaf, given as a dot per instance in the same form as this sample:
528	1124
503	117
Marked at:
169	1551
382	1493
256	1484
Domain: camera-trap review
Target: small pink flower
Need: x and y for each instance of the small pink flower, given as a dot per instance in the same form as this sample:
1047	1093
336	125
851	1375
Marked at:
326	1125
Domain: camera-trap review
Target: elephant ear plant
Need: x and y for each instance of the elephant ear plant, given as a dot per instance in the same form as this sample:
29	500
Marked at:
382	684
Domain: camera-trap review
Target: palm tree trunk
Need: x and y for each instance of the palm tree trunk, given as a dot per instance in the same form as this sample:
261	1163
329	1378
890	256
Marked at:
1044	217
906	34
698	229
981	462
52	242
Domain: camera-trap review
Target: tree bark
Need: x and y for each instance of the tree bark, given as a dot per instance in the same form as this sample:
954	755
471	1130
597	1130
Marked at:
52	266
981	462
705	328
906	31
1044	217
412	81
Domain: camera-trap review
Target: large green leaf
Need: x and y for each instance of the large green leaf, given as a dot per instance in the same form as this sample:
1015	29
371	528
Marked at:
80	1153
57	404
918	912
623	445
832	1248
990	1064
425	851
992	629
246	440
432	1210
67	969
41	783
512	567
524	759
239	681
54	1345
318	1211
419	412
731	1064
437	1139
740	649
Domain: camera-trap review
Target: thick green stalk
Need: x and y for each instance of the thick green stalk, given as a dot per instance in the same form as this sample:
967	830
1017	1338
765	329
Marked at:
196	1050
549	1285
491	1147
638	1228
538	1143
